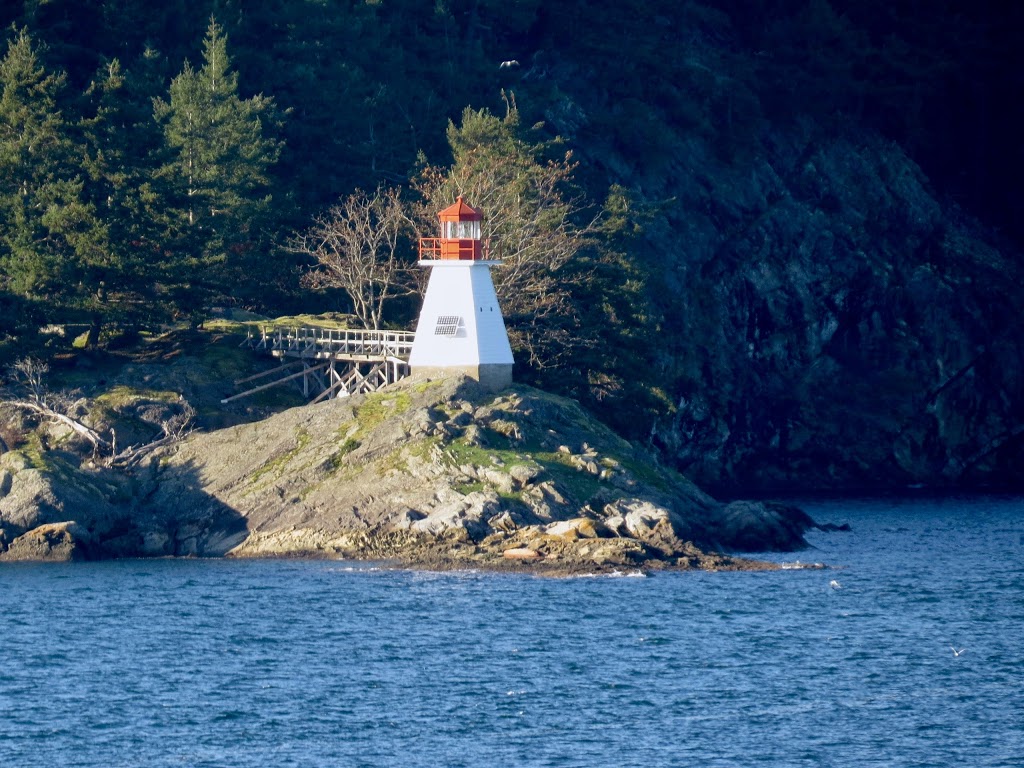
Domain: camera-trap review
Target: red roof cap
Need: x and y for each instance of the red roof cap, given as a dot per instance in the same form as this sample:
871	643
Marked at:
460	211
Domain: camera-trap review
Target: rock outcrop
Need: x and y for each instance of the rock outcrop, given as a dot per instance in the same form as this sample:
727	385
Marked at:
427	473
55	542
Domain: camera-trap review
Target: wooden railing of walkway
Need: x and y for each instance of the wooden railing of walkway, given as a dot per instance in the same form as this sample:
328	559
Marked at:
336	362
336	343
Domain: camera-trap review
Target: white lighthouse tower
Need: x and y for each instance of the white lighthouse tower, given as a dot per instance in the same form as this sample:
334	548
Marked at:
461	329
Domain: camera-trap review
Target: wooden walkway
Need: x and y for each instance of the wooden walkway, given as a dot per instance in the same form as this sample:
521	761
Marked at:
330	362
336	344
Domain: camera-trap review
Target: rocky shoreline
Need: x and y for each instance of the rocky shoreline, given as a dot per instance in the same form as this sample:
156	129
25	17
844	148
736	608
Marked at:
428	474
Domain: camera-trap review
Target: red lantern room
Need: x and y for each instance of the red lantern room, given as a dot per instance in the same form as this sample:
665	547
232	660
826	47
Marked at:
460	236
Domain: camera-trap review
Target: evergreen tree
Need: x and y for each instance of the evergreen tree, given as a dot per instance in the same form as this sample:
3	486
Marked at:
42	221
117	275
619	323
215	180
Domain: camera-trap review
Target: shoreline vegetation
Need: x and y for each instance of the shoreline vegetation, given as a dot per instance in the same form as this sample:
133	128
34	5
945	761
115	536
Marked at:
435	474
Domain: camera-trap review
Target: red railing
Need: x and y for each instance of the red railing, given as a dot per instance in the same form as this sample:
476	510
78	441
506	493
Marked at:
444	249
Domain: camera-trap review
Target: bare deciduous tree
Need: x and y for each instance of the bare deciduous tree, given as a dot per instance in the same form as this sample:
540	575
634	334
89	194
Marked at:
30	372
361	245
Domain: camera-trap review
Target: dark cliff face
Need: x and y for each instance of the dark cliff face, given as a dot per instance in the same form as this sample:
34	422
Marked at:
840	328
827	319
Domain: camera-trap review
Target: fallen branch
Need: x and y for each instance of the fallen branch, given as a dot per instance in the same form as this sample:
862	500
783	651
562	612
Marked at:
173	430
105	453
94	437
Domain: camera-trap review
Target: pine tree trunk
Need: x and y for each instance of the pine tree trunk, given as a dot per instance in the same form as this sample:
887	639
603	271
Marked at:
95	326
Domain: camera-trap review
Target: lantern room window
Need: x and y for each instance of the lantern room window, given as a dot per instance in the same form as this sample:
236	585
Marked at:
462	230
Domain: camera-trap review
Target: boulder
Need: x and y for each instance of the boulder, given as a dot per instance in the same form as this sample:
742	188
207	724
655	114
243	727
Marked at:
513	519
52	542
468	514
635	517
521	553
500	480
405	518
648	522
577	528
58	489
760	526
523	474
156	543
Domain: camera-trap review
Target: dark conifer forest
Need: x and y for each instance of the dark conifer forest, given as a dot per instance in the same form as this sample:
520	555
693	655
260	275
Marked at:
777	240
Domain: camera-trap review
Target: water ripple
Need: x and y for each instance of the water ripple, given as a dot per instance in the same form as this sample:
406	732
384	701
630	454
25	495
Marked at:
233	663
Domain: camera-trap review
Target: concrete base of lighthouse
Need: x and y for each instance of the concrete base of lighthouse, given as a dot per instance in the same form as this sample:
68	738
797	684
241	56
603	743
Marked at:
494	376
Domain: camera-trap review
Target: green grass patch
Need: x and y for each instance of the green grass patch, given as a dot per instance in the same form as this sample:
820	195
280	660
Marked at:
467	488
232	327
239	324
514	499
398	459
325	320
32	452
460	452
647	472
379	406
122	395
222	361
336	460
422	449
581	486
424	386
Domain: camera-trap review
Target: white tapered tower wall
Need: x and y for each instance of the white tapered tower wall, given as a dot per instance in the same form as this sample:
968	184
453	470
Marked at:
461	329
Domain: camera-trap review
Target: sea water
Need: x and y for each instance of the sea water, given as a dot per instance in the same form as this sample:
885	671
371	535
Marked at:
327	663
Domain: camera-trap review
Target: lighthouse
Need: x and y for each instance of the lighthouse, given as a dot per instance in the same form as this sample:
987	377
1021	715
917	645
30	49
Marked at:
461	329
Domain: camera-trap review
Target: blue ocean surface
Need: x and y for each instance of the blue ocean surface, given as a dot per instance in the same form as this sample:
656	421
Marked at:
326	663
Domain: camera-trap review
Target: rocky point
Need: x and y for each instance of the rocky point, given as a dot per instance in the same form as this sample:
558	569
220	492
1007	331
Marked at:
428	473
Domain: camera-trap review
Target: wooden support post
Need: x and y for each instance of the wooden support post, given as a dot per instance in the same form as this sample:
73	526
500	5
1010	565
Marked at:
267	386
328	392
271	372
